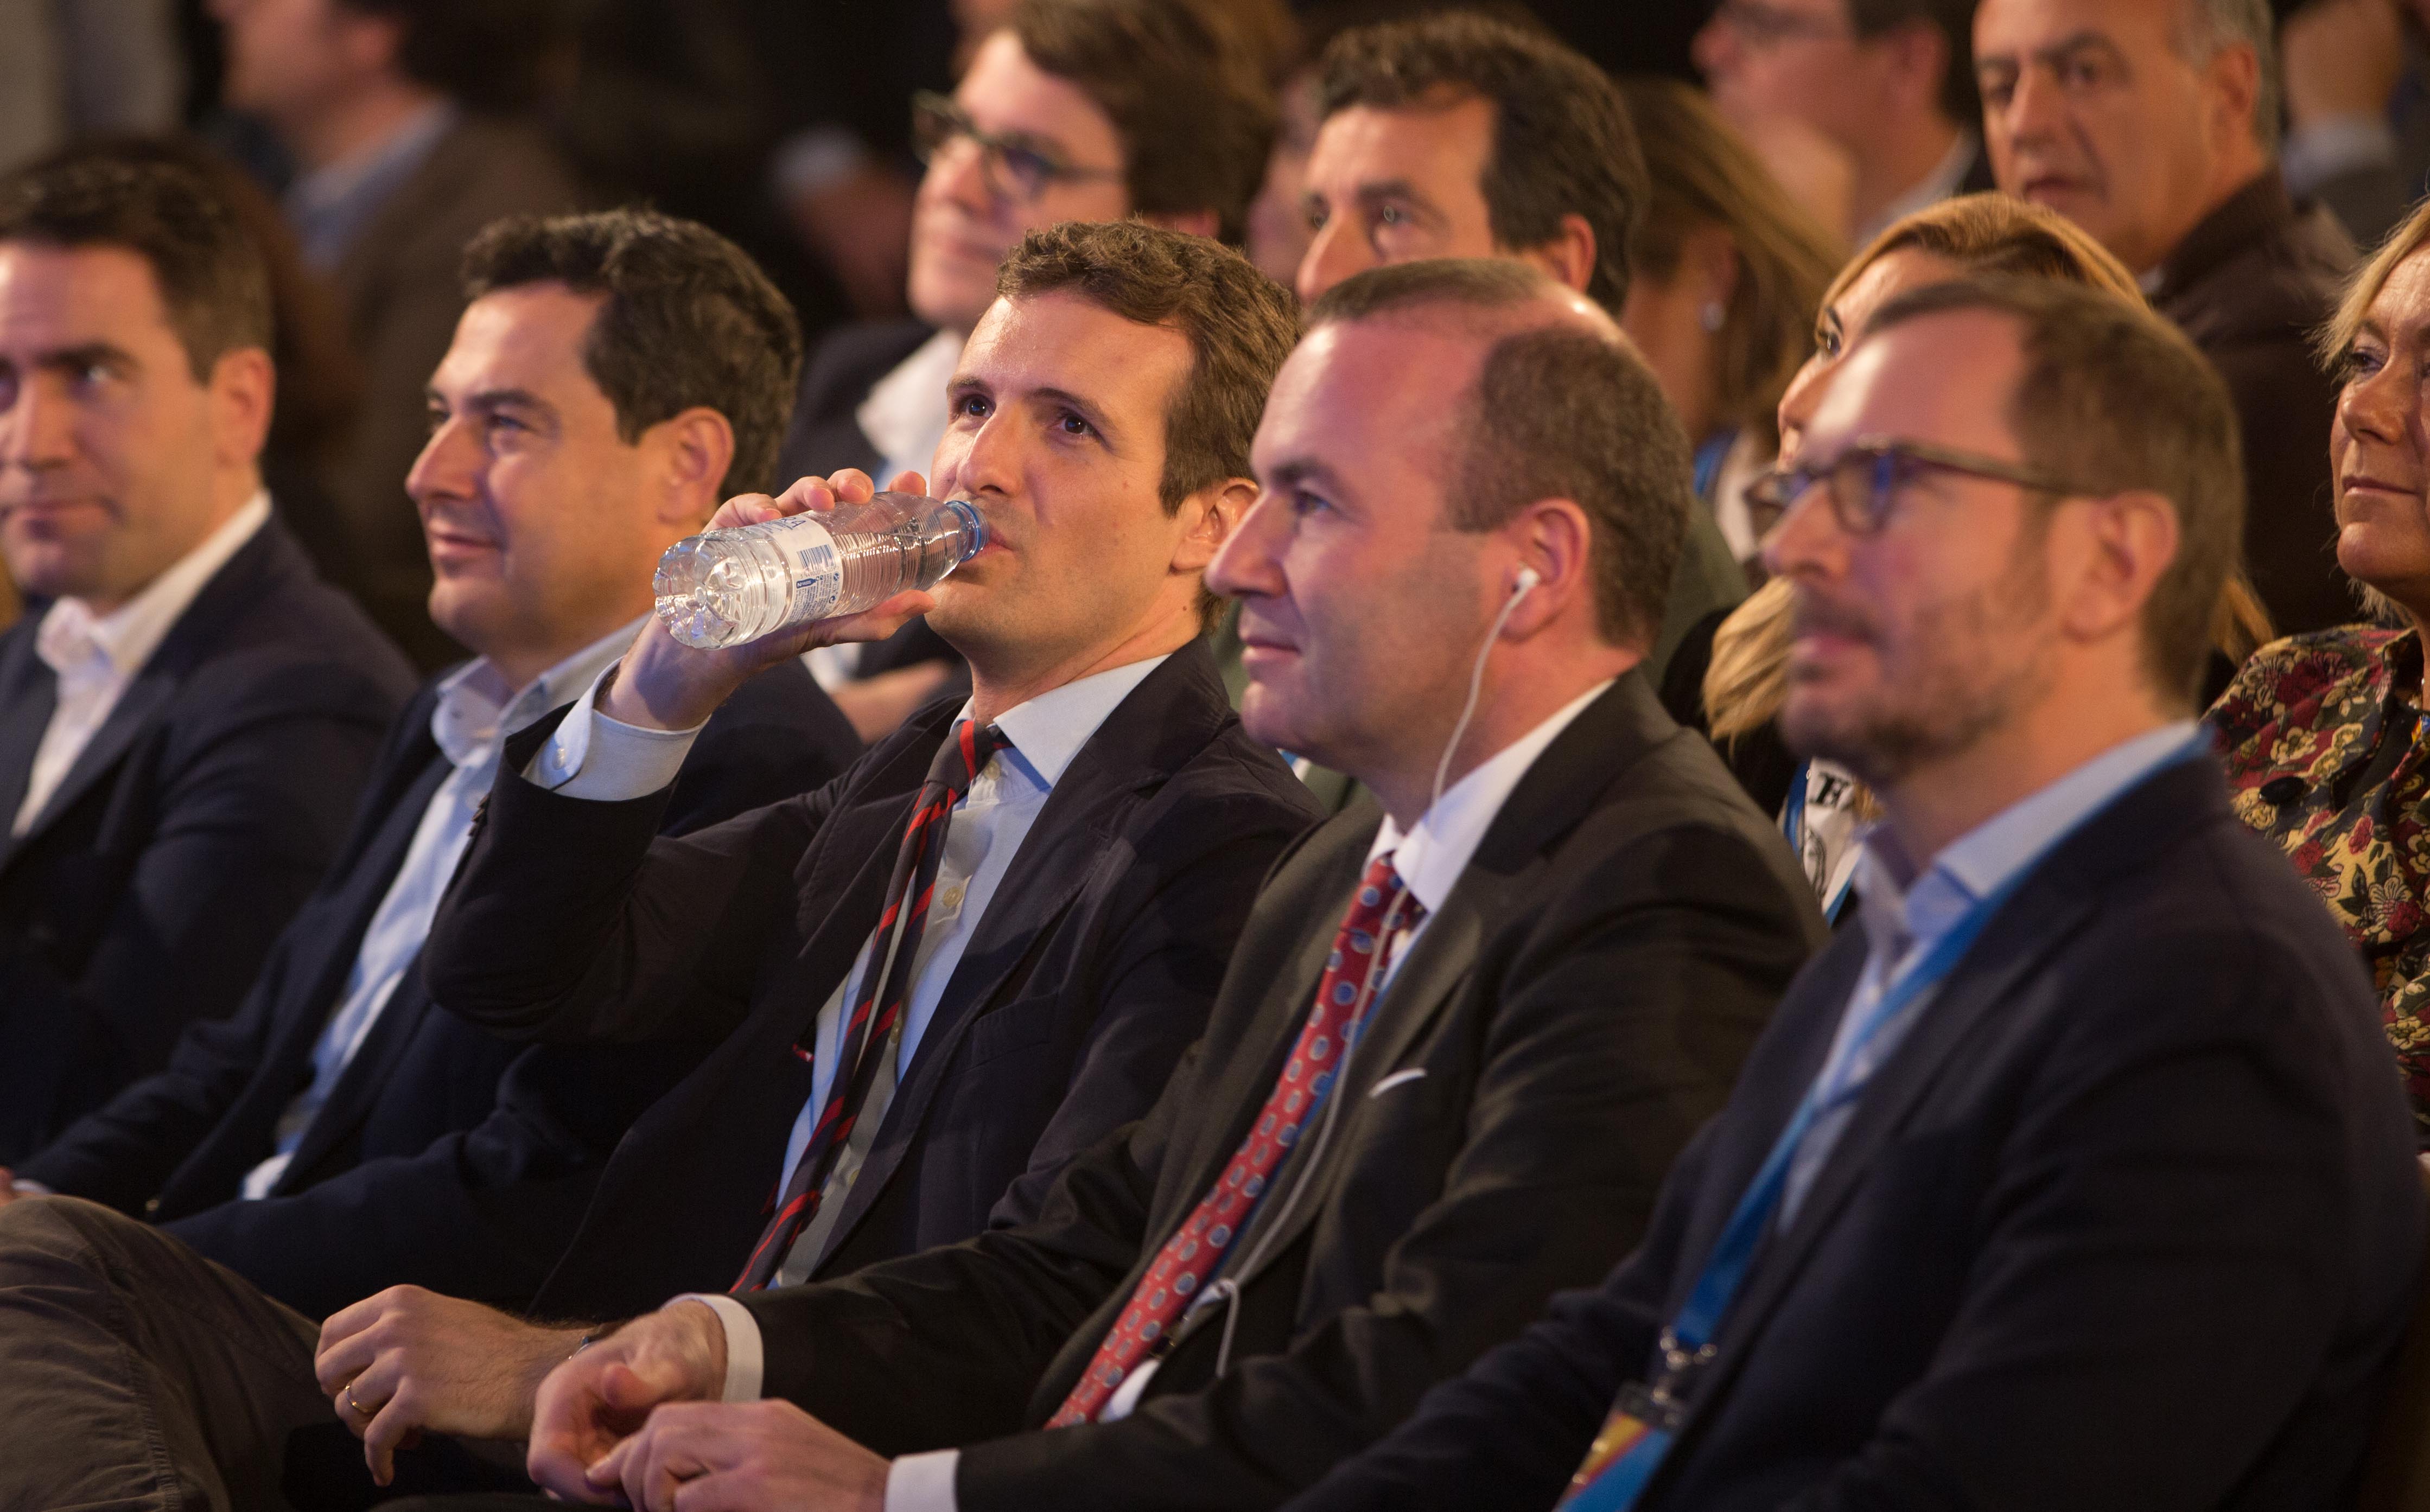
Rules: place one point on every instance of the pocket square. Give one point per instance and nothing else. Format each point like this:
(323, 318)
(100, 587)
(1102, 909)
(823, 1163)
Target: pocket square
(1395, 1080)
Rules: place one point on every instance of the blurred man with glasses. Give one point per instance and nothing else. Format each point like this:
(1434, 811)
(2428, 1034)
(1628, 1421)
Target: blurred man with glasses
(1074, 110)
(1864, 108)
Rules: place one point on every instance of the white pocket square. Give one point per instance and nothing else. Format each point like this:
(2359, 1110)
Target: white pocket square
(1395, 1080)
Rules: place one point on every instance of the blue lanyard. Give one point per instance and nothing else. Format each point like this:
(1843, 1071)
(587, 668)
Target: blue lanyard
(1792, 824)
(1686, 1345)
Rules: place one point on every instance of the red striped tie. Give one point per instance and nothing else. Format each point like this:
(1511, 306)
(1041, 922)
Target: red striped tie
(885, 986)
(1361, 952)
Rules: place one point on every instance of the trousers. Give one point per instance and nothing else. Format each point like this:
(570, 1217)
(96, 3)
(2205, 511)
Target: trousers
(135, 1374)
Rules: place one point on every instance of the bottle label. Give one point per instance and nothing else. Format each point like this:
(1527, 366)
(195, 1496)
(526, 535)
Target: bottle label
(810, 552)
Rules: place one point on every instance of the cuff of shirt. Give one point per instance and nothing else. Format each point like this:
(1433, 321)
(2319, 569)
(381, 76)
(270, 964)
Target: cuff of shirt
(607, 761)
(922, 1482)
(2320, 150)
(743, 1360)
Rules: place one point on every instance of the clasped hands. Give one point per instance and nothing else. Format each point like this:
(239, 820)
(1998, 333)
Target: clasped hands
(633, 1419)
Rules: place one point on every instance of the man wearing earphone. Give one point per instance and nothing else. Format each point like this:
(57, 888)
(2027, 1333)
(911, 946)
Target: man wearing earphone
(1459, 1041)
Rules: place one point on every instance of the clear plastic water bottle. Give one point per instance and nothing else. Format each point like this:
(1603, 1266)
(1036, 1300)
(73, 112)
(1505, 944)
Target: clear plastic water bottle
(726, 587)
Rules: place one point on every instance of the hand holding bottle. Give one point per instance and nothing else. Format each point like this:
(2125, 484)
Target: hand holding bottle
(663, 684)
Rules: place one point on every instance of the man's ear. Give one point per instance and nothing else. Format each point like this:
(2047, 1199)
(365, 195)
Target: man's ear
(1552, 539)
(2234, 75)
(1208, 517)
(243, 396)
(1568, 257)
(2131, 539)
(1191, 223)
(693, 452)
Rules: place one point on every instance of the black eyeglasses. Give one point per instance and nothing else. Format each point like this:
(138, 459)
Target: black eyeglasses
(1014, 166)
(1864, 480)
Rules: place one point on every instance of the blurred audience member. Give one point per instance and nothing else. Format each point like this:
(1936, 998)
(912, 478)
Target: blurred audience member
(1458, 135)
(2358, 110)
(1820, 806)
(1727, 274)
(398, 114)
(319, 384)
(2154, 125)
(342, 1133)
(72, 69)
(2075, 1177)
(187, 720)
(1865, 110)
(2325, 735)
(1074, 110)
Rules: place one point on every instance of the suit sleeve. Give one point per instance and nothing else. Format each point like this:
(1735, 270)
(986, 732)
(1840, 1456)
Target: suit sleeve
(1515, 1427)
(570, 921)
(1623, 1015)
(252, 808)
(2158, 1240)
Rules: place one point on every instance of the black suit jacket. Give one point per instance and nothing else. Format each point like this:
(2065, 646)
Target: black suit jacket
(188, 831)
(2251, 284)
(824, 438)
(443, 1157)
(1090, 973)
(1580, 1002)
(2128, 1221)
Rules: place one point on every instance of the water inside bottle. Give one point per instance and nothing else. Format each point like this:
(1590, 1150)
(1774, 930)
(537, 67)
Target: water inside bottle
(730, 585)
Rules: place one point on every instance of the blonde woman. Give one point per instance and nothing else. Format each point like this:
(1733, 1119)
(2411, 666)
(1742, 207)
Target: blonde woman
(1819, 806)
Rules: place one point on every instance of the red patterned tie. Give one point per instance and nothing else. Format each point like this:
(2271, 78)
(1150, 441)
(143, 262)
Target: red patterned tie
(1362, 951)
(885, 986)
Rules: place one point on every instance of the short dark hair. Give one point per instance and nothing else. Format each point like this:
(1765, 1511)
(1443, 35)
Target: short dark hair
(209, 273)
(1187, 91)
(1240, 325)
(2114, 397)
(1562, 140)
(1961, 102)
(689, 320)
(490, 55)
(1555, 412)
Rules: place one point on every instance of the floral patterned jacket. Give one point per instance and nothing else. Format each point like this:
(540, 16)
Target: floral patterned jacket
(2303, 731)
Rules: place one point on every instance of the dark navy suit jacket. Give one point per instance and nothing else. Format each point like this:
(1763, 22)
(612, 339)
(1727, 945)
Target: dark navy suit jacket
(1092, 970)
(2128, 1221)
(193, 824)
(443, 1157)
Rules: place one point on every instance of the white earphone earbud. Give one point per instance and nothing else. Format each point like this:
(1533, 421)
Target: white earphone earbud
(1525, 582)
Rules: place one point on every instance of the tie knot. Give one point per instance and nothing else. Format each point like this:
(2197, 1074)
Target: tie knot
(965, 755)
(1377, 889)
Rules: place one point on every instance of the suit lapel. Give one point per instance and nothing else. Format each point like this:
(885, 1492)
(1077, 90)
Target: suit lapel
(1564, 783)
(2056, 902)
(237, 583)
(28, 693)
(1163, 722)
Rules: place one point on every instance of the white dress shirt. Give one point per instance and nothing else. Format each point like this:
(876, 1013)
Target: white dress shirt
(1904, 916)
(474, 714)
(904, 417)
(1429, 858)
(96, 657)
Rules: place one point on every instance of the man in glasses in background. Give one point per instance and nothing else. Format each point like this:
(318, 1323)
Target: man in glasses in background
(2079, 1176)
(1074, 110)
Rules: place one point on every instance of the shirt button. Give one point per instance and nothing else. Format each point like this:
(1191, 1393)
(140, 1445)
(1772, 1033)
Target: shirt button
(951, 898)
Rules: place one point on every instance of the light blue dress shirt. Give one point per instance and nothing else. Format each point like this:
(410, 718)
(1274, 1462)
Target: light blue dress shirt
(1903, 922)
(474, 714)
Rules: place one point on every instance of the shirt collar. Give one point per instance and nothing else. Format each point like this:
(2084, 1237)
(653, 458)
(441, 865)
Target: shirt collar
(1047, 731)
(1988, 858)
(72, 640)
(904, 416)
(477, 710)
(1436, 850)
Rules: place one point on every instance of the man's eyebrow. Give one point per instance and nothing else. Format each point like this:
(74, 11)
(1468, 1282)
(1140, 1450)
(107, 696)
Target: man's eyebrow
(85, 354)
(1292, 471)
(497, 399)
(1089, 409)
(2065, 47)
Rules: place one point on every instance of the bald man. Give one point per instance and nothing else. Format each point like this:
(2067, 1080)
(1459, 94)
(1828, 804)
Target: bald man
(1460, 1040)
